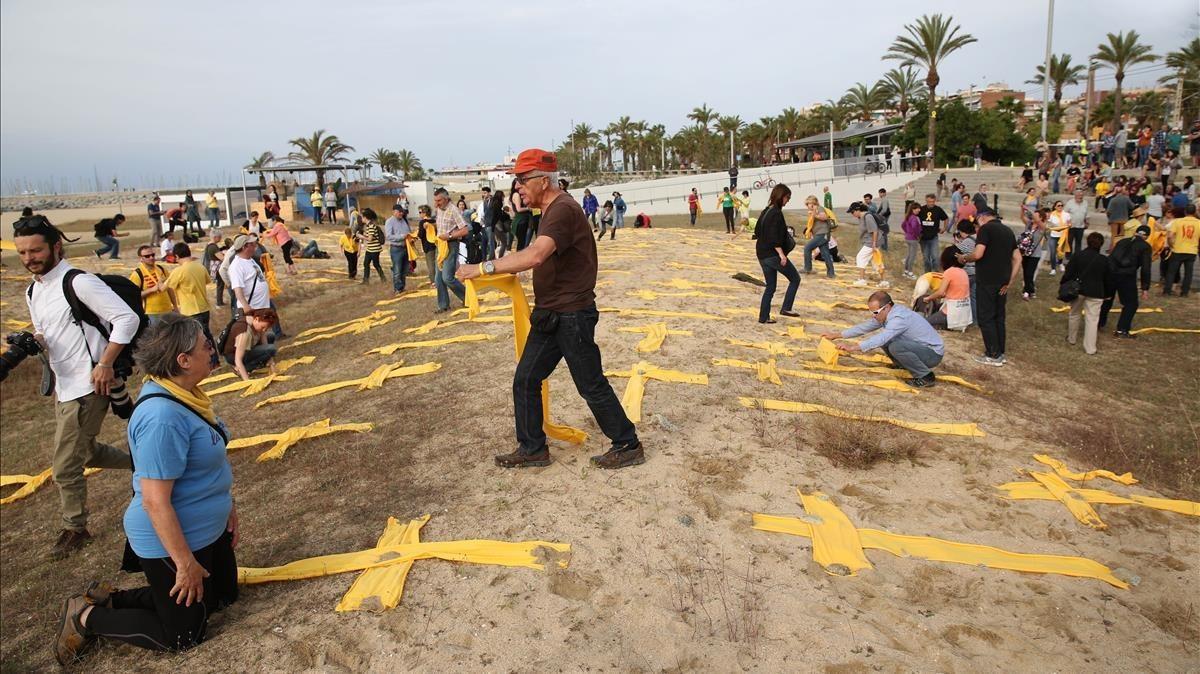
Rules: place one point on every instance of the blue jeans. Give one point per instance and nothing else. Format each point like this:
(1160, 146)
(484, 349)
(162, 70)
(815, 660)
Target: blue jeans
(445, 280)
(277, 328)
(913, 356)
(111, 244)
(214, 217)
(399, 266)
(818, 242)
(618, 221)
(929, 250)
(489, 243)
(574, 339)
(256, 357)
(771, 270)
(883, 238)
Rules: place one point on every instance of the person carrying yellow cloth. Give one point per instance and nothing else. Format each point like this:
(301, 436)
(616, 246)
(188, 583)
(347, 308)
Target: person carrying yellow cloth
(430, 243)
(904, 335)
(821, 222)
(349, 246)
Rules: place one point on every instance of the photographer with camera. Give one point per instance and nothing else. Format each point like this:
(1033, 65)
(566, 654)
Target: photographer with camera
(83, 354)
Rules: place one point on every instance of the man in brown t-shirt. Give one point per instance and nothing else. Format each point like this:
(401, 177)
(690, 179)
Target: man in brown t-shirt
(563, 260)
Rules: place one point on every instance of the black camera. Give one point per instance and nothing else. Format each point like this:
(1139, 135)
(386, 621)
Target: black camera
(21, 346)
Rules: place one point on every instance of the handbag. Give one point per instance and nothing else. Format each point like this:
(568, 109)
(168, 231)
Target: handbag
(1068, 290)
(958, 314)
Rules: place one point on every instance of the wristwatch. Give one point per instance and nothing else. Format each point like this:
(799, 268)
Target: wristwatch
(488, 267)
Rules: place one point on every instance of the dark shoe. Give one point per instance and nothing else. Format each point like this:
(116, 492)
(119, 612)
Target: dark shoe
(518, 460)
(788, 312)
(922, 382)
(99, 593)
(620, 457)
(73, 640)
(69, 541)
(769, 321)
(1124, 335)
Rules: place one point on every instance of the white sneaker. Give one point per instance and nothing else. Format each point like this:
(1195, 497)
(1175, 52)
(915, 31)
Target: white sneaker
(861, 283)
(1053, 272)
(884, 284)
(988, 360)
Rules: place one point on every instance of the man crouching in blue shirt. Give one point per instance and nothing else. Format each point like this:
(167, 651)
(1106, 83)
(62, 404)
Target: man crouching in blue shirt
(906, 337)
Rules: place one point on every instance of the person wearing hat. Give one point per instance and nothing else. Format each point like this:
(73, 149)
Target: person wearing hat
(564, 264)
(868, 234)
(997, 264)
(246, 277)
(1129, 257)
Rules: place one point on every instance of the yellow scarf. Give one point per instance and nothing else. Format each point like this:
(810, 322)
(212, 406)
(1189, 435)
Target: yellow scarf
(196, 399)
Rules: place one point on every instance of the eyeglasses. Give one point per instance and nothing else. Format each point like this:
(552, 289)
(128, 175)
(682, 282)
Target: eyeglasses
(875, 312)
(526, 179)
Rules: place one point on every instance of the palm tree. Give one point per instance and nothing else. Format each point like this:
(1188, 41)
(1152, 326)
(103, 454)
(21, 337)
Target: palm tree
(319, 149)
(408, 165)
(1186, 65)
(608, 132)
(729, 124)
(702, 116)
(789, 121)
(583, 137)
(262, 161)
(1120, 53)
(1062, 74)
(901, 85)
(385, 159)
(862, 101)
(623, 131)
(364, 164)
(929, 41)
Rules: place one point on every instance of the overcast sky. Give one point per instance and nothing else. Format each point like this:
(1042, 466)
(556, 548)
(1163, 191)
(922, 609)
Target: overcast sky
(147, 89)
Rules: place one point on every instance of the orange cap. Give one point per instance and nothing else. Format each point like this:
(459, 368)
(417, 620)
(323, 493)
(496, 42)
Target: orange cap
(534, 159)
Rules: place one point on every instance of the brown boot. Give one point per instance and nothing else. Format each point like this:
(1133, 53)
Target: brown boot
(73, 639)
(519, 460)
(99, 593)
(69, 541)
(620, 457)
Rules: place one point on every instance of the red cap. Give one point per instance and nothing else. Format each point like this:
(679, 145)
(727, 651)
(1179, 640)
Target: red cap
(534, 159)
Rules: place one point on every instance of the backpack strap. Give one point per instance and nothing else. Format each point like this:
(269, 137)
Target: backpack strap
(81, 313)
(141, 277)
(150, 396)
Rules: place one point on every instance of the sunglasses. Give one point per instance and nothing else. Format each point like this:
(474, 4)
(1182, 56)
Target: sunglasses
(148, 256)
(875, 312)
(526, 179)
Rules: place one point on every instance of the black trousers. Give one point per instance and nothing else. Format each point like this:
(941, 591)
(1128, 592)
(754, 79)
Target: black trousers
(369, 259)
(990, 309)
(1127, 292)
(573, 339)
(1177, 260)
(148, 617)
(1076, 234)
(1029, 267)
(351, 263)
(729, 227)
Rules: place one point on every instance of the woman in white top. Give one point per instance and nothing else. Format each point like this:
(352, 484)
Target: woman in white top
(1060, 221)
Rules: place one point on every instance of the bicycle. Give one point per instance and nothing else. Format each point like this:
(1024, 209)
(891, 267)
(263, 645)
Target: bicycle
(873, 167)
(761, 183)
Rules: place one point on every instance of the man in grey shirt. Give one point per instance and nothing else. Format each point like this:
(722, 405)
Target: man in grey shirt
(884, 210)
(1120, 207)
(904, 335)
(395, 231)
(1077, 208)
(1120, 142)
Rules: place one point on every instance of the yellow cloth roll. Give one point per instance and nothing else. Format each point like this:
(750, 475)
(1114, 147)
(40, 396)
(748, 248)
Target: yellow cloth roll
(965, 429)
(841, 552)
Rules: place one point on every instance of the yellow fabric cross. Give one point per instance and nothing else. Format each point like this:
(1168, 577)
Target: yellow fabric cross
(31, 483)
(1062, 471)
(663, 314)
(280, 367)
(511, 286)
(249, 387)
(965, 429)
(1069, 497)
(1020, 491)
(636, 388)
(773, 348)
(764, 371)
(283, 441)
(392, 348)
(386, 565)
(655, 334)
(355, 328)
(371, 381)
(432, 292)
(374, 315)
(768, 372)
(839, 547)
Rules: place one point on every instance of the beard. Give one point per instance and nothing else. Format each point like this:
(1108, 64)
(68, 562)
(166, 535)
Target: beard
(40, 267)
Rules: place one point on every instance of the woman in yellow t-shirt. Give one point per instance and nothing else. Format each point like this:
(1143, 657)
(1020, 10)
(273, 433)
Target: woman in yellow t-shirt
(212, 209)
(349, 246)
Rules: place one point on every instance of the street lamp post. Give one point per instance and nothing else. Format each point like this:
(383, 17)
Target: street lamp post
(1046, 71)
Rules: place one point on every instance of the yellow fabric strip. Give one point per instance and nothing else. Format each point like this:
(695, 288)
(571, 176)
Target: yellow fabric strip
(1141, 331)
(1144, 310)
(885, 384)
(511, 286)
(374, 315)
(392, 348)
(218, 378)
(426, 328)
(412, 295)
(953, 552)
(285, 365)
(773, 348)
(250, 387)
(724, 266)
(964, 429)
(482, 310)
(683, 284)
(798, 332)
(663, 314)
(1070, 498)
(371, 381)
(835, 540)
(895, 372)
(13, 324)
(651, 295)
(830, 306)
(765, 371)
(284, 441)
(740, 311)
(31, 483)
(380, 589)
(1019, 491)
(1062, 471)
(827, 352)
(500, 553)
(655, 333)
(631, 401)
(356, 328)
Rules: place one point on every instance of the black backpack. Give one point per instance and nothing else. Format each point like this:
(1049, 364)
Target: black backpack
(1123, 258)
(475, 245)
(129, 292)
(223, 337)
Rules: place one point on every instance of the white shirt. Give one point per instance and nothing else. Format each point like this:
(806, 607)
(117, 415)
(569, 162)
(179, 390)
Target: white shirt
(166, 248)
(247, 275)
(73, 352)
(1056, 221)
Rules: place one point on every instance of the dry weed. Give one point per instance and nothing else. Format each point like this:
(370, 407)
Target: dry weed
(1155, 454)
(714, 601)
(1175, 618)
(856, 444)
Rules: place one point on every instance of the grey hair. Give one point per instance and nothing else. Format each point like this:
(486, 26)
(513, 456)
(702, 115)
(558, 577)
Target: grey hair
(442, 191)
(159, 347)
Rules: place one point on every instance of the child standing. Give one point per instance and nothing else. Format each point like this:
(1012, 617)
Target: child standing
(349, 246)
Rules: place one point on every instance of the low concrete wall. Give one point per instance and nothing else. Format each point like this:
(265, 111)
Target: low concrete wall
(669, 195)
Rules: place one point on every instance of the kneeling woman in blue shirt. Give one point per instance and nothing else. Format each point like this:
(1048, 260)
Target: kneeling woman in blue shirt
(181, 524)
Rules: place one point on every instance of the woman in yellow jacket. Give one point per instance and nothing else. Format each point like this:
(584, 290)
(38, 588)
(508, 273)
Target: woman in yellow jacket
(318, 204)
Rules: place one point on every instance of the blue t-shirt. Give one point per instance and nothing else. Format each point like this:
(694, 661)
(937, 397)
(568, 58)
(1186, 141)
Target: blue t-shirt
(170, 442)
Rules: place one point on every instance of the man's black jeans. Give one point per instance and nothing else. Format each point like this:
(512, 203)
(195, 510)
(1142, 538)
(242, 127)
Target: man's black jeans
(991, 314)
(1127, 292)
(574, 340)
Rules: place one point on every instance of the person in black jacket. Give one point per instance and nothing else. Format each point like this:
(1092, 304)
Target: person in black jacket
(1096, 282)
(1129, 256)
(772, 248)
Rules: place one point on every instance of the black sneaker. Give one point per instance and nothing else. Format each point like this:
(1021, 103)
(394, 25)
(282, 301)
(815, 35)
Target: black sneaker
(922, 382)
(518, 460)
(1124, 335)
(620, 457)
(788, 312)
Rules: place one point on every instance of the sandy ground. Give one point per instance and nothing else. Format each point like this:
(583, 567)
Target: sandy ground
(666, 573)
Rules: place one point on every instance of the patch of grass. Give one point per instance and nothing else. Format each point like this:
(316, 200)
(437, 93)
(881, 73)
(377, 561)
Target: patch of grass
(714, 601)
(857, 444)
(1176, 618)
